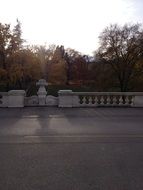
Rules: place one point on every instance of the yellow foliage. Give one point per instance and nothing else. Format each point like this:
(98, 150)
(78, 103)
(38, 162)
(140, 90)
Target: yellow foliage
(15, 73)
(57, 73)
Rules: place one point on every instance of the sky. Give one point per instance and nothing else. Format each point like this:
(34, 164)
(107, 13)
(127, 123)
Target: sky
(73, 23)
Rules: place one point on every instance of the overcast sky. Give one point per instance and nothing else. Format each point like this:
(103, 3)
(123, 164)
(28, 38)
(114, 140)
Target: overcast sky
(72, 23)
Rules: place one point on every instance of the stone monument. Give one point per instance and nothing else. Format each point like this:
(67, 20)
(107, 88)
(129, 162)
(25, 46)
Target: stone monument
(42, 91)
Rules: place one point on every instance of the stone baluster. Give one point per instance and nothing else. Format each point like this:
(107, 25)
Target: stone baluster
(120, 100)
(108, 100)
(96, 100)
(114, 100)
(127, 100)
(90, 100)
(132, 100)
(84, 100)
(80, 99)
(102, 100)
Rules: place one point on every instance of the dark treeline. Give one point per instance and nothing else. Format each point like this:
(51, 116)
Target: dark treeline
(116, 65)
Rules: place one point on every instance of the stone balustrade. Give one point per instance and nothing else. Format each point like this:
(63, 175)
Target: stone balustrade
(67, 98)
(16, 98)
(3, 99)
(13, 98)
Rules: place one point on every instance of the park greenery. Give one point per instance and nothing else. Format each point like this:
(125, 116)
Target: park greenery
(117, 65)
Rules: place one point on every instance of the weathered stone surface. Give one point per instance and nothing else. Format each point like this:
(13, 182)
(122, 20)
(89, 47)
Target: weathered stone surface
(31, 101)
(138, 101)
(65, 98)
(51, 101)
(16, 98)
(42, 91)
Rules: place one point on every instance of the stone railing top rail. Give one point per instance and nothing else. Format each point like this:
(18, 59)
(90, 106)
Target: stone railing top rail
(4, 93)
(70, 92)
(65, 92)
(17, 92)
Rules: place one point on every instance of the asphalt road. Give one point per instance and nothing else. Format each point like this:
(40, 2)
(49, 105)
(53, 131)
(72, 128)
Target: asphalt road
(71, 149)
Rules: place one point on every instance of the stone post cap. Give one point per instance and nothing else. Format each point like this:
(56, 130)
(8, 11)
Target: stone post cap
(42, 82)
(17, 92)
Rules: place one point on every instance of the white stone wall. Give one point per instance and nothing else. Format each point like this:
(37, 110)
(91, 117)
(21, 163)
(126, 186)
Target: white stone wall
(65, 98)
(68, 98)
(138, 101)
(16, 98)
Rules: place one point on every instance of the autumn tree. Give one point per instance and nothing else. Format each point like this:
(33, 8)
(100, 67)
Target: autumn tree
(26, 69)
(76, 66)
(60, 65)
(5, 37)
(57, 66)
(70, 55)
(137, 80)
(16, 40)
(102, 76)
(121, 48)
(45, 55)
(10, 44)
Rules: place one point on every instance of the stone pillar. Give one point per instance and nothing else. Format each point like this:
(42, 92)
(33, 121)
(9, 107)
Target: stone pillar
(75, 101)
(65, 98)
(16, 98)
(138, 101)
(42, 91)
